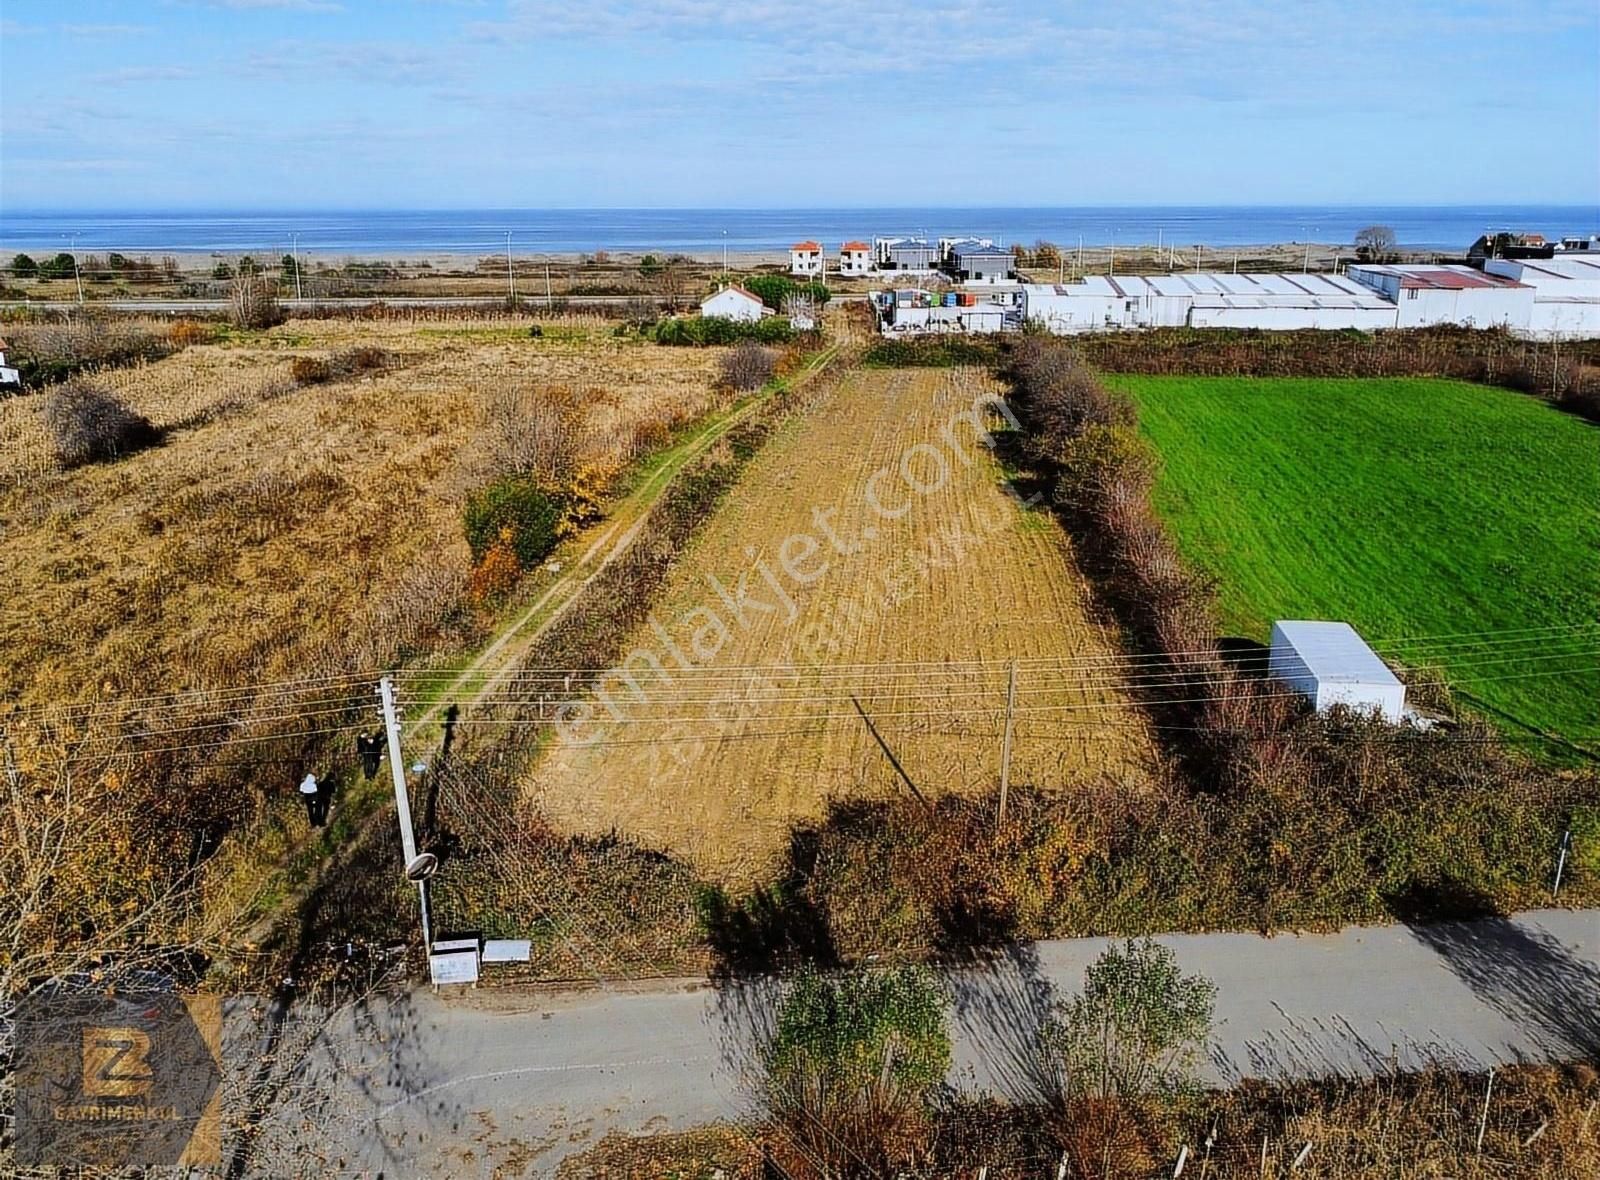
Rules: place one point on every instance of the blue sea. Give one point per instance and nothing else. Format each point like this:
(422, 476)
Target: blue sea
(706, 231)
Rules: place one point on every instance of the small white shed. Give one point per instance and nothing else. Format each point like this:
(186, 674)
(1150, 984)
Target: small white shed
(1332, 664)
(732, 303)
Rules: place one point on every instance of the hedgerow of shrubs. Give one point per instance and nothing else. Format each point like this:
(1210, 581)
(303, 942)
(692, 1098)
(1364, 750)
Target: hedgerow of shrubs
(700, 331)
(931, 352)
(1338, 820)
(88, 425)
(58, 349)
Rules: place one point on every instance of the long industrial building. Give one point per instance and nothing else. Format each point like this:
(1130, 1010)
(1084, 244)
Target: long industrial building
(1427, 295)
(1566, 292)
(1547, 298)
(1205, 299)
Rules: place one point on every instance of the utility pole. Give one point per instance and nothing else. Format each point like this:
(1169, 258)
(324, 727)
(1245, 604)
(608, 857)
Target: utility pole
(1561, 861)
(295, 242)
(1005, 742)
(419, 867)
(511, 278)
(76, 273)
(724, 255)
(549, 300)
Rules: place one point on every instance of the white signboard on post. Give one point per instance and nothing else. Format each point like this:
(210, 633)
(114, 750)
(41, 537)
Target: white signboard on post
(454, 961)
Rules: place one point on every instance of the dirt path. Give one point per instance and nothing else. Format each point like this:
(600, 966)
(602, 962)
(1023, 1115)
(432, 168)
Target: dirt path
(486, 673)
(883, 670)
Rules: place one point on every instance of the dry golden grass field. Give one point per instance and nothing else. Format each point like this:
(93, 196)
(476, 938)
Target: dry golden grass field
(283, 531)
(755, 712)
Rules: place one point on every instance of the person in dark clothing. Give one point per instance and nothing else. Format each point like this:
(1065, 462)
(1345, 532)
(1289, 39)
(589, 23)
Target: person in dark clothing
(318, 797)
(369, 746)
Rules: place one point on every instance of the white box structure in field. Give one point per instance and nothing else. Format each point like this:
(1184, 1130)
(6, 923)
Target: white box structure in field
(1332, 665)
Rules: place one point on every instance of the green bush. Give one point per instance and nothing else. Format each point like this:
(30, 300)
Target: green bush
(774, 289)
(527, 515)
(62, 266)
(701, 331)
(24, 267)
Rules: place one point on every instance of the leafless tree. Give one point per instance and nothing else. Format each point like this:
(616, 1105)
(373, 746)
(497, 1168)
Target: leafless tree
(253, 300)
(1375, 243)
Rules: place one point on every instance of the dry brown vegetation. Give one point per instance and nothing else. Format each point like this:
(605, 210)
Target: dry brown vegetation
(1542, 1124)
(717, 769)
(279, 533)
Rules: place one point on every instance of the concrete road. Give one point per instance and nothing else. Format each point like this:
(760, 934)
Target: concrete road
(454, 1084)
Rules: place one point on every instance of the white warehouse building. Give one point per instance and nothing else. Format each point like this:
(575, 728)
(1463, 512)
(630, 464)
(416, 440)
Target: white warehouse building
(1427, 295)
(1205, 299)
(1566, 292)
(1332, 665)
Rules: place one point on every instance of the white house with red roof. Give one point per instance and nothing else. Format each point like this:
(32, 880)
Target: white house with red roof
(733, 303)
(805, 258)
(855, 259)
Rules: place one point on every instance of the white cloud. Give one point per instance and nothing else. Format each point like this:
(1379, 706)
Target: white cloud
(128, 75)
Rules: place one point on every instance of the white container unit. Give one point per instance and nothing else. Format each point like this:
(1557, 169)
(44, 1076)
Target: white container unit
(1332, 665)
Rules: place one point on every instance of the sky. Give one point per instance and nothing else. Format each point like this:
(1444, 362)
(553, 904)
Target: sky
(379, 104)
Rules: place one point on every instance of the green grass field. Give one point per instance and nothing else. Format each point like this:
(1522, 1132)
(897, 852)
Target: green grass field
(1408, 507)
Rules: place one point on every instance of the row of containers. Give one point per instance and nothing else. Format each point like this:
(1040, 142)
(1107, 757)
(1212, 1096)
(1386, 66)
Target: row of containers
(918, 298)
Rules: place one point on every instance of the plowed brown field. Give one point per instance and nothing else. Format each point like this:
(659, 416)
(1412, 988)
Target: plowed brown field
(845, 629)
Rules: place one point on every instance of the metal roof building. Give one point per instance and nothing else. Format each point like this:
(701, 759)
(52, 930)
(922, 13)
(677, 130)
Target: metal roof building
(1208, 299)
(1462, 295)
(979, 262)
(1332, 665)
(907, 254)
(1566, 292)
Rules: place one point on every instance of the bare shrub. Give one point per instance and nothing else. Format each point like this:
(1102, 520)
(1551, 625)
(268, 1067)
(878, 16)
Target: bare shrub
(253, 301)
(187, 332)
(746, 366)
(543, 433)
(363, 358)
(309, 370)
(88, 425)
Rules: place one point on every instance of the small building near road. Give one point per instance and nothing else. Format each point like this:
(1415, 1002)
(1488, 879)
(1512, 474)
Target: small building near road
(855, 259)
(1463, 295)
(733, 303)
(1566, 293)
(979, 262)
(8, 376)
(805, 258)
(1332, 665)
(913, 311)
